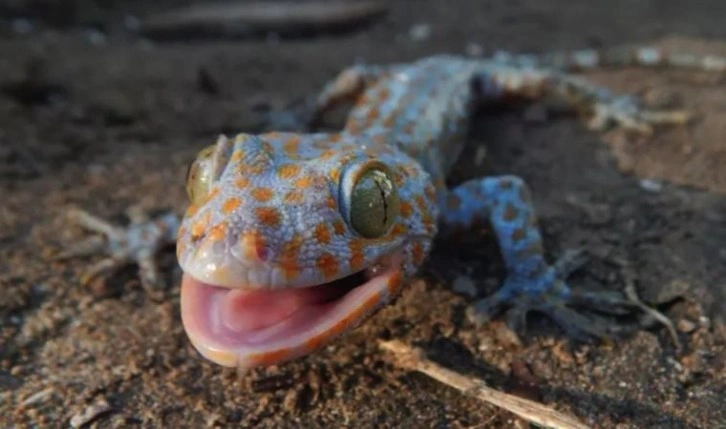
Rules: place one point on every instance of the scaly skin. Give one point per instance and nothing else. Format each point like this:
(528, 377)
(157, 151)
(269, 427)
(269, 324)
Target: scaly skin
(271, 218)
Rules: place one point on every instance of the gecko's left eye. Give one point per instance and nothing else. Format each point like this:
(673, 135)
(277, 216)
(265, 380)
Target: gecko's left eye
(374, 203)
(199, 175)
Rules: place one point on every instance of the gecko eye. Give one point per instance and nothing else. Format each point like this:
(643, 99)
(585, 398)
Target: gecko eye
(199, 175)
(374, 202)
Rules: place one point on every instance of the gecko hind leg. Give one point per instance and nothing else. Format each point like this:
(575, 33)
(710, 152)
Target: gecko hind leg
(601, 107)
(531, 284)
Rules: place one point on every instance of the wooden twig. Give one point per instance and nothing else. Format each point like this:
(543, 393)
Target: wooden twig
(235, 19)
(414, 359)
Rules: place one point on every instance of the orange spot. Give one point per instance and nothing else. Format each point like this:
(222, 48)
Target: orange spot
(288, 171)
(291, 248)
(330, 202)
(291, 145)
(322, 233)
(373, 114)
(327, 264)
(200, 225)
(268, 216)
(406, 209)
(293, 197)
(356, 255)
(242, 182)
(383, 94)
(408, 128)
(329, 153)
(335, 174)
(290, 268)
(389, 121)
(430, 191)
(429, 222)
(339, 227)
(237, 156)
(506, 184)
(289, 260)
(191, 210)
(510, 212)
(303, 182)
(398, 229)
(218, 232)
(418, 253)
(262, 194)
(231, 205)
(420, 202)
(353, 127)
(379, 139)
(363, 100)
(453, 202)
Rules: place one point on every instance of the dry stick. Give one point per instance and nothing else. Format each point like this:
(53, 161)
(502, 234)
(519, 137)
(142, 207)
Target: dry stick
(413, 358)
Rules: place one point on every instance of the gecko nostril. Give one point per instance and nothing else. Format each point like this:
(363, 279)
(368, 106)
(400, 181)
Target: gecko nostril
(250, 247)
(264, 253)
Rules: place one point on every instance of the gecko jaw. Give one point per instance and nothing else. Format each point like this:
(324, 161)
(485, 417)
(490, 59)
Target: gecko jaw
(244, 328)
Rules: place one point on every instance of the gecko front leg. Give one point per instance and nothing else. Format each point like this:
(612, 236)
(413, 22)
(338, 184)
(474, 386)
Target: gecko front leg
(137, 243)
(531, 284)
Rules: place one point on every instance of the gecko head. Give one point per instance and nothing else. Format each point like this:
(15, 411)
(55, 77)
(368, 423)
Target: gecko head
(291, 240)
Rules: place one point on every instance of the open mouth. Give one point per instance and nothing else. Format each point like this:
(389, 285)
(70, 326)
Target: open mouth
(242, 328)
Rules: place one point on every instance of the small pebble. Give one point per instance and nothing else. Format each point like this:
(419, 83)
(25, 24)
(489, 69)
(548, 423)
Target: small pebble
(536, 114)
(90, 413)
(22, 26)
(480, 154)
(464, 285)
(132, 23)
(474, 50)
(38, 397)
(651, 185)
(686, 326)
(95, 37)
(420, 32)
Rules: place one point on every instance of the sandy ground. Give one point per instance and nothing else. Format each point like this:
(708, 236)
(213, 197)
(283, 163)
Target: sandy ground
(95, 117)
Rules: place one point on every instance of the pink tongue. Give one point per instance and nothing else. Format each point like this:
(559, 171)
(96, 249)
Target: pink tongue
(246, 310)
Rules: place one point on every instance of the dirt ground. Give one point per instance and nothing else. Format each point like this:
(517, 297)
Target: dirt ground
(94, 116)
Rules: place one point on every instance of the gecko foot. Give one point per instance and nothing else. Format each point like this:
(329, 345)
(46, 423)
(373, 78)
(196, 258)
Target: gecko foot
(550, 295)
(137, 243)
(624, 112)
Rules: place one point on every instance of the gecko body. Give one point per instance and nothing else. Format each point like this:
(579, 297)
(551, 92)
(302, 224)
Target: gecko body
(292, 239)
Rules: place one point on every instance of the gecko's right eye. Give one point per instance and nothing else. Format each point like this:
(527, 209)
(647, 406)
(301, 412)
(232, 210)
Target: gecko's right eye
(199, 175)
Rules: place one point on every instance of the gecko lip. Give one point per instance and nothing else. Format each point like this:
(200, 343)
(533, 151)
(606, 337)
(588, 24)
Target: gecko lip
(250, 327)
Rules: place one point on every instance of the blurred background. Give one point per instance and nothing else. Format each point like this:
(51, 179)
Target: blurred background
(104, 103)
